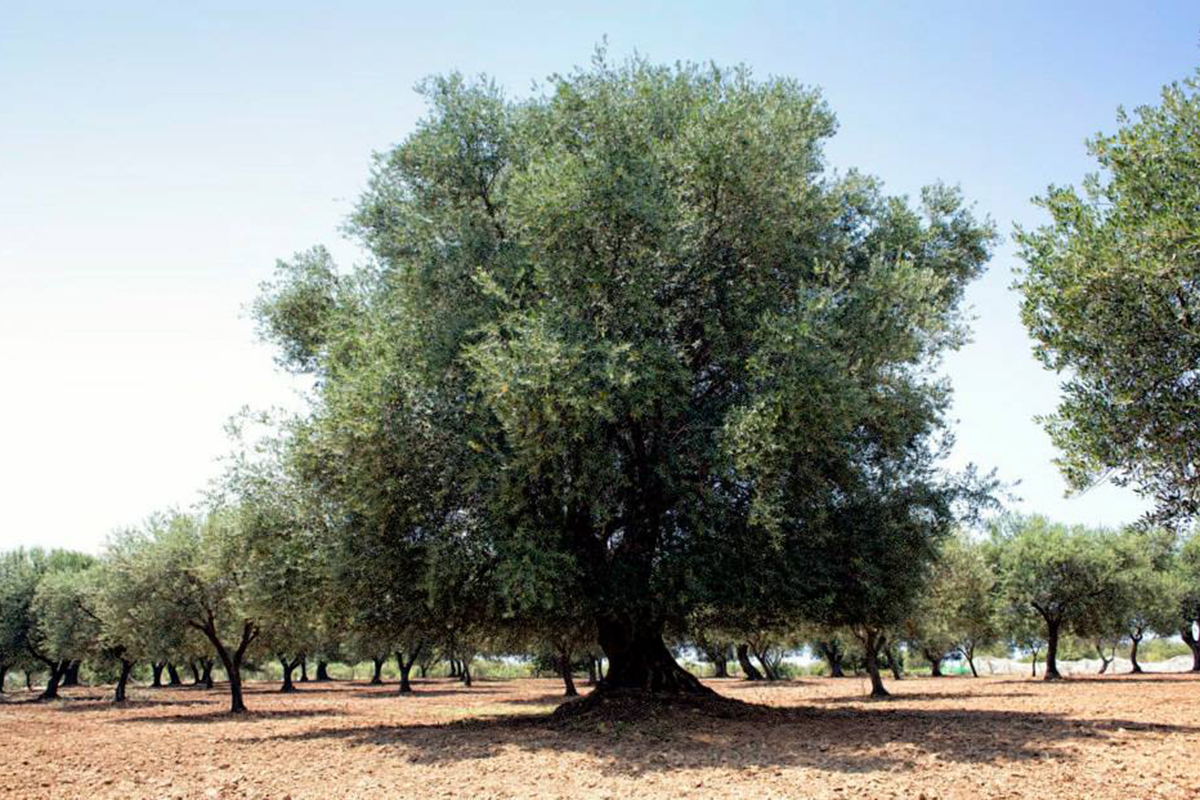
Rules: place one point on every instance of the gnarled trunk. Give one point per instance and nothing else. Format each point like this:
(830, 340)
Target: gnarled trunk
(71, 675)
(405, 666)
(638, 659)
(206, 673)
(323, 671)
(1052, 629)
(123, 681)
(564, 669)
(194, 668)
(1136, 669)
(831, 651)
(3, 675)
(173, 675)
(304, 669)
(156, 672)
(288, 668)
(935, 663)
(377, 671)
(872, 643)
(57, 670)
(750, 672)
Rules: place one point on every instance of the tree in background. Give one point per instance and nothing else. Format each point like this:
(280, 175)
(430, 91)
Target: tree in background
(621, 316)
(66, 628)
(1187, 593)
(1061, 573)
(1147, 598)
(1112, 297)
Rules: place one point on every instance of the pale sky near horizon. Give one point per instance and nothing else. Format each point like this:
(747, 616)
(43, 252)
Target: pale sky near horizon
(156, 158)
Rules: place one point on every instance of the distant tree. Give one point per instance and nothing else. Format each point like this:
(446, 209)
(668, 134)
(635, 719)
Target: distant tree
(1147, 598)
(1186, 580)
(66, 627)
(1112, 298)
(1061, 573)
(638, 314)
(201, 569)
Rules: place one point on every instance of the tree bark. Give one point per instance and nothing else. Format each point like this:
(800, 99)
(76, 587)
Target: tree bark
(1190, 639)
(935, 663)
(638, 659)
(304, 669)
(1052, 629)
(173, 675)
(831, 651)
(1035, 658)
(57, 670)
(3, 675)
(377, 672)
(323, 671)
(123, 681)
(564, 669)
(194, 668)
(405, 666)
(1136, 669)
(1104, 662)
(71, 676)
(454, 668)
(206, 673)
(872, 643)
(231, 661)
(156, 671)
(466, 672)
(288, 668)
(750, 672)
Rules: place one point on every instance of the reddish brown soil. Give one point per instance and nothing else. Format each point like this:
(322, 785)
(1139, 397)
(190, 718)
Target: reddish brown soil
(1113, 737)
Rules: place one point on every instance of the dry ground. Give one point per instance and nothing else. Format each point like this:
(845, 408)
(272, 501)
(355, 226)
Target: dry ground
(1113, 737)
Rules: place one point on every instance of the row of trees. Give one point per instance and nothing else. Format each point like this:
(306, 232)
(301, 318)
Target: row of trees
(194, 590)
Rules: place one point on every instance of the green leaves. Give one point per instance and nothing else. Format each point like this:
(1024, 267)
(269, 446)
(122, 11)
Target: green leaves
(1110, 297)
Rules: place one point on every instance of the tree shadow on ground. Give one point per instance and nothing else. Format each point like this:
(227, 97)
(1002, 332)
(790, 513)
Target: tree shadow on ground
(849, 740)
(225, 716)
(865, 697)
(392, 691)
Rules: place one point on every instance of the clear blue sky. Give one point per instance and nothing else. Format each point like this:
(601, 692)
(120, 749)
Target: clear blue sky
(156, 158)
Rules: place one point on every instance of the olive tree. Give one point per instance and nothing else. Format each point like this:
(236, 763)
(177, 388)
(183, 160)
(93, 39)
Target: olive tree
(1111, 297)
(629, 317)
(1062, 573)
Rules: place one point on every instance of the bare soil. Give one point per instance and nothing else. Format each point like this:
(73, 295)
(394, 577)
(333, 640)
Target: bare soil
(1109, 737)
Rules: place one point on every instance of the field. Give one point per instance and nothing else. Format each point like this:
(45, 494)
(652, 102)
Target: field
(1119, 737)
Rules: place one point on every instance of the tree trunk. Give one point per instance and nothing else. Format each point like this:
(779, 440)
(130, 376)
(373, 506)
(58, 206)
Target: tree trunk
(194, 668)
(1035, 658)
(57, 670)
(935, 664)
(638, 659)
(377, 673)
(895, 664)
(406, 666)
(173, 675)
(71, 676)
(564, 669)
(156, 670)
(832, 653)
(872, 643)
(1052, 651)
(3, 675)
(750, 672)
(454, 669)
(304, 669)
(288, 668)
(1191, 641)
(28, 680)
(424, 669)
(1104, 662)
(323, 671)
(123, 681)
(969, 654)
(591, 681)
(1136, 669)
(206, 673)
(231, 661)
(767, 669)
(466, 672)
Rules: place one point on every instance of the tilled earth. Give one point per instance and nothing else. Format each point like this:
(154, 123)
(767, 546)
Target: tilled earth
(1111, 737)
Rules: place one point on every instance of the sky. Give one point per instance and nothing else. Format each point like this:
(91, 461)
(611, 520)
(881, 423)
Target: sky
(157, 158)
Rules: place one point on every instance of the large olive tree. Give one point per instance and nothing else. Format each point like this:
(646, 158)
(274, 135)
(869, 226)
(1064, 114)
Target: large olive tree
(628, 324)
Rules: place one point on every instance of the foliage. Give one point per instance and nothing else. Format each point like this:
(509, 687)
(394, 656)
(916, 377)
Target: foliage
(1112, 299)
